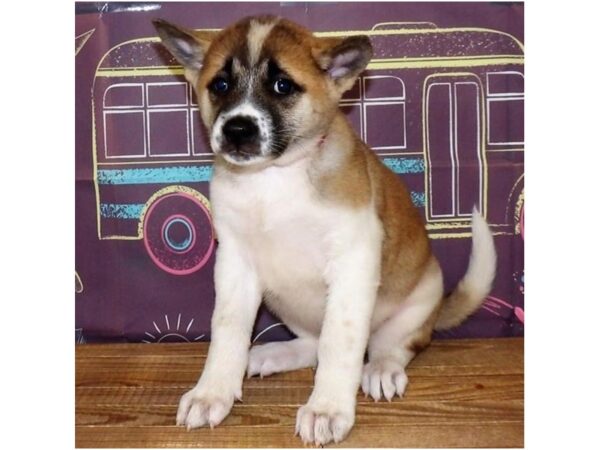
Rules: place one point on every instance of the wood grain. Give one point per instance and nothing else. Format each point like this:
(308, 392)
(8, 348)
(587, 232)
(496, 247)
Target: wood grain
(462, 393)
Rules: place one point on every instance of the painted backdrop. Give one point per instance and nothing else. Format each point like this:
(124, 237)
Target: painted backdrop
(441, 103)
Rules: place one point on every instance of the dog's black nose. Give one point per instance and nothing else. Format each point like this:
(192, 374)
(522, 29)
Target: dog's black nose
(240, 130)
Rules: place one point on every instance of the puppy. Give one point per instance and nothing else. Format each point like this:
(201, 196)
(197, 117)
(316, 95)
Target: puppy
(311, 221)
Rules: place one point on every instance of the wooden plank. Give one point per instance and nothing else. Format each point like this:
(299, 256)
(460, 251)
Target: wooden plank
(484, 435)
(438, 352)
(163, 367)
(400, 412)
(265, 392)
(462, 393)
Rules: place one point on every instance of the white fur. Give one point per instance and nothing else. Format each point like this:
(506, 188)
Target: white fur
(482, 262)
(237, 301)
(257, 34)
(275, 357)
(352, 275)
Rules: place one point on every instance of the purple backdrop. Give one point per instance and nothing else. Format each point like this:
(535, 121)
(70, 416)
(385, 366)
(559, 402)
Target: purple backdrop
(441, 103)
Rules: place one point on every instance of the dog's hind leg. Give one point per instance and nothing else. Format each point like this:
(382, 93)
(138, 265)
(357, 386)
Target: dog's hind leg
(284, 356)
(393, 345)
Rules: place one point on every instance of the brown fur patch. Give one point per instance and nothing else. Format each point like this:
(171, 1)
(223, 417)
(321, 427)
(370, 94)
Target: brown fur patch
(358, 179)
(230, 42)
(406, 250)
(291, 46)
(339, 171)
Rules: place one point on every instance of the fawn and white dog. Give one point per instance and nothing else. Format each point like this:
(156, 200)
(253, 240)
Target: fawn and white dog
(310, 220)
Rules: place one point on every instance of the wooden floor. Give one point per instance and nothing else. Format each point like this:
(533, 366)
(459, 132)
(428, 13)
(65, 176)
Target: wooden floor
(463, 393)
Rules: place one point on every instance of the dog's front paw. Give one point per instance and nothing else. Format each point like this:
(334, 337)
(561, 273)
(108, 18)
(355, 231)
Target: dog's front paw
(384, 375)
(198, 408)
(321, 423)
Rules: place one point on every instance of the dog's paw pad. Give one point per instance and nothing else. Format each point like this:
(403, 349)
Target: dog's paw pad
(384, 377)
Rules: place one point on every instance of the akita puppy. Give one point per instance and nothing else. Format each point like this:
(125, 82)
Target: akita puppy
(309, 220)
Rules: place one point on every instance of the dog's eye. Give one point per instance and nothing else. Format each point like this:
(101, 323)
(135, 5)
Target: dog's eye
(219, 85)
(283, 86)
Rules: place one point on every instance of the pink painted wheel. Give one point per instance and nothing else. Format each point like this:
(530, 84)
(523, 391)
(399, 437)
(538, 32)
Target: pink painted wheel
(178, 233)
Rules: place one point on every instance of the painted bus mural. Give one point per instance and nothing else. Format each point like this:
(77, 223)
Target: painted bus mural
(443, 107)
(436, 113)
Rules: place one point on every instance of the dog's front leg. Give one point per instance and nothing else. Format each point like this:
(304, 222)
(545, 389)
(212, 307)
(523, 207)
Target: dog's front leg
(238, 297)
(353, 278)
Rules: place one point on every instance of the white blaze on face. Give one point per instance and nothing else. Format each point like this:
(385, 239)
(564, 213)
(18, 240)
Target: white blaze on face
(257, 34)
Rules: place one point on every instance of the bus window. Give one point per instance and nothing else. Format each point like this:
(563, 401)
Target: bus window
(200, 138)
(384, 112)
(167, 119)
(168, 132)
(505, 108)
(124, 134)
(383, 87)
(124, 96)
(124, 121)
(167, 94)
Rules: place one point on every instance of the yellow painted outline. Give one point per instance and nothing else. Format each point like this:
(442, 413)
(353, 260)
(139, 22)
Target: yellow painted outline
(457, 225)
(429, 24)
(510, 197)
(518, 208)
(404, 63)
(95, 166)
(465, 235)
(376, 64)
(141, 71)
(462, 223)
(418, 63)
(482, 149)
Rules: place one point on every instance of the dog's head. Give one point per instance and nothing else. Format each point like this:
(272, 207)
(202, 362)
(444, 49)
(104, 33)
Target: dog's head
(265, 86)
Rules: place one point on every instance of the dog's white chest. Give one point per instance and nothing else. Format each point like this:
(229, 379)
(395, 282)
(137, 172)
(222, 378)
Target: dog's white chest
(286, 231)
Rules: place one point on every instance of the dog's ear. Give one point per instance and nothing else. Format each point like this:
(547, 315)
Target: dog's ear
(187, 46)
(343, 59)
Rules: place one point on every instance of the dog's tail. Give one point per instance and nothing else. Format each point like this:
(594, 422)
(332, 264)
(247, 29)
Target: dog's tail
(477, 282)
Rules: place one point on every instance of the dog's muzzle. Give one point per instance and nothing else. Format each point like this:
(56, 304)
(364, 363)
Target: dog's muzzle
(241, 137)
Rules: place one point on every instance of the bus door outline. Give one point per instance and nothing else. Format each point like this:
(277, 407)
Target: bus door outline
(452, 83)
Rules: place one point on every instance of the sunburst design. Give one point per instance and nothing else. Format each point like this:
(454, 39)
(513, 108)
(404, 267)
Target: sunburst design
(165, 333)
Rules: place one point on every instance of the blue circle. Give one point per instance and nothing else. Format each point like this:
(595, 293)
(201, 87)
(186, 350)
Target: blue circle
(178, 246)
